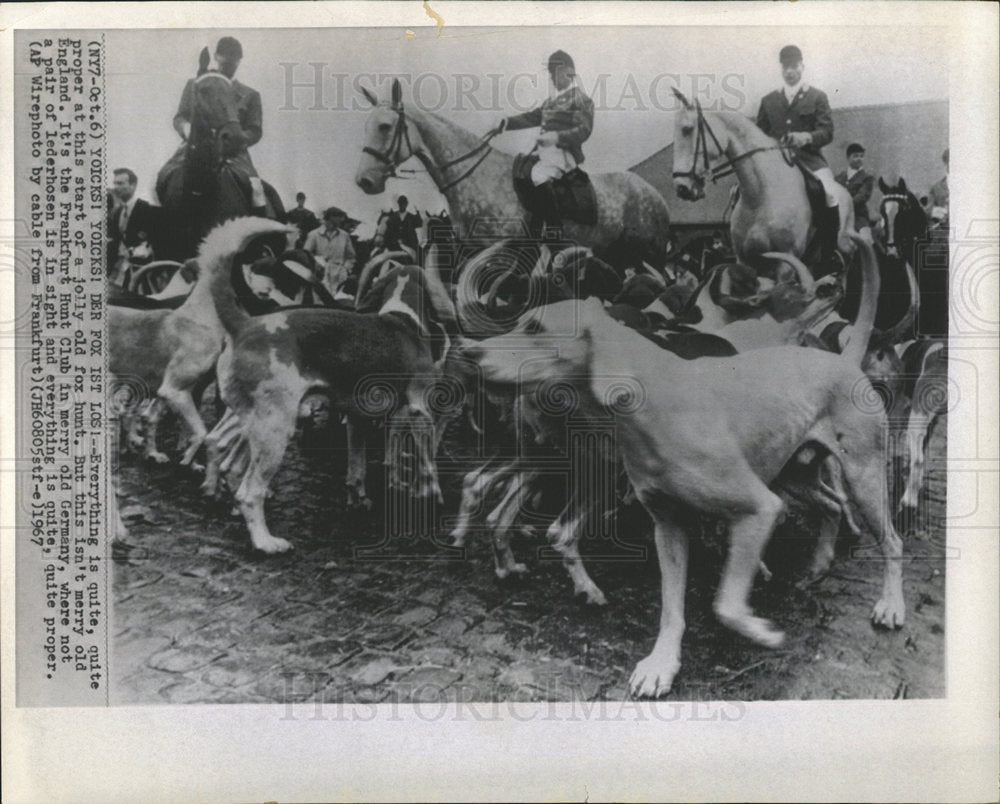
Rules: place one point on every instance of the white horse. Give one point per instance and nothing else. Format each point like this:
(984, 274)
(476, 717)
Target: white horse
(477, 182)
(772, 213)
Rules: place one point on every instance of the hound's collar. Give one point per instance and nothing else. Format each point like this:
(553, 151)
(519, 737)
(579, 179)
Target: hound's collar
(298, 269)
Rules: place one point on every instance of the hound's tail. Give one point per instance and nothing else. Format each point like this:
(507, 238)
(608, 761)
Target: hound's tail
(225, 251)
(871, 283)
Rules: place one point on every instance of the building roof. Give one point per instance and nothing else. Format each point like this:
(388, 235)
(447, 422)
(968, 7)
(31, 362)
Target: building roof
(902, 139)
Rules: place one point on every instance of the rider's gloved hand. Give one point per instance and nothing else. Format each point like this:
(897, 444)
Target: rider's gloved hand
(798, 139)
(499, 127)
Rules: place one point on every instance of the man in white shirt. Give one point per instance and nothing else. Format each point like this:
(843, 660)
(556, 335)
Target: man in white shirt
(131, 224)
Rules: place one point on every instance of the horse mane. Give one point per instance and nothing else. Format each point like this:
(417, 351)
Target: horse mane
(739, 122)
(441, 128)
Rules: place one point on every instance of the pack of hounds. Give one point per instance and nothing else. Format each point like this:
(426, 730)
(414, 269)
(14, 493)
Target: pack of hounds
(724, 406)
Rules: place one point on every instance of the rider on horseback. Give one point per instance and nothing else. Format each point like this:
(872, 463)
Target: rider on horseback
(566, 120)
(228, 55)
(799, 115)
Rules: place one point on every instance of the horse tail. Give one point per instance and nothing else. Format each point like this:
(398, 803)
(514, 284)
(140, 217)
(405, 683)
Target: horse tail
(871, 283)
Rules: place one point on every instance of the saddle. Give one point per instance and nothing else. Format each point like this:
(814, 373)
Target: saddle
(570, 197)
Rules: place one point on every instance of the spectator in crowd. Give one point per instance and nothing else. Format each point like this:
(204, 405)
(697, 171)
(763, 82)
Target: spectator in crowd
(859, 184)
(332, 249)
(686, 272)
(937, 197)
(304, 219)
(131, 227)
(401, 232)
(716, 252)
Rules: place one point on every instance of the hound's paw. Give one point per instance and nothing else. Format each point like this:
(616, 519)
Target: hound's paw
(889, 613)
(595, 597)
(513, 569)
(356, 500)
(653, 677)
(272, 545)
(157, 457)
(757, 629)
(457, 539)
(821, 562)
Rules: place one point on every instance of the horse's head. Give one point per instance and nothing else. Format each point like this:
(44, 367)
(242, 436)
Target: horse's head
(215, 123)
(390, 139)
(695, 146)
(903, 219)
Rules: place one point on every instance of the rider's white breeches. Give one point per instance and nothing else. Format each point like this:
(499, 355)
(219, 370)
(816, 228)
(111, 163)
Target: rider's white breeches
(825, 175)
(552, 163)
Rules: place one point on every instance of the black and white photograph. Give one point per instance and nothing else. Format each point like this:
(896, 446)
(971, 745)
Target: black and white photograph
(575, 368)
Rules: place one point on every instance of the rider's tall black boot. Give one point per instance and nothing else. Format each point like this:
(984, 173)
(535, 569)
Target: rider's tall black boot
(829, 235)
(548, 206)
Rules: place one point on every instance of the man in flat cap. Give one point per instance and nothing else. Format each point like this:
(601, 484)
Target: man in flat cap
(565, 120)
(799, 115)
(859, 184)
(228, 55)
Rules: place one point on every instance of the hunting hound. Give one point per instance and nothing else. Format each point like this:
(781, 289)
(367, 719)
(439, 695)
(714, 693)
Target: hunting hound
(710, 435)
(370, 364)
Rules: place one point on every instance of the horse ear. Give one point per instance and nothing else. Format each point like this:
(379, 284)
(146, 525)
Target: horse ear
(397, 94)
(902, 185)
(369, 96)
(680, 96)
(882, 186)
(203, 59)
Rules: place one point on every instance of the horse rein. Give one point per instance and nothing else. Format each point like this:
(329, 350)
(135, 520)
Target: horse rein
(728, 165)
(400, 134)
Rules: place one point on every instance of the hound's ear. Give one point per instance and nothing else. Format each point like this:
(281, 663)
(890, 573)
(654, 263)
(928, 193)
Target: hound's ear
(369, 96)
(680, 96)
(203, 59)
(397, 94)
(882, 186)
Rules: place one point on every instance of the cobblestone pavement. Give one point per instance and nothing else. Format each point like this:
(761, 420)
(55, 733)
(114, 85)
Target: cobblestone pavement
(351, 617)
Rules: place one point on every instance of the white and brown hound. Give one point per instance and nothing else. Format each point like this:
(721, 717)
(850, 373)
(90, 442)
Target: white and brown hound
(369, 364)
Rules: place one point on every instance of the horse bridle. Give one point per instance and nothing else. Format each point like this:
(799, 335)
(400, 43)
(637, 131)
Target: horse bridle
(392, 155)
(728, 165)
(904, 202)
